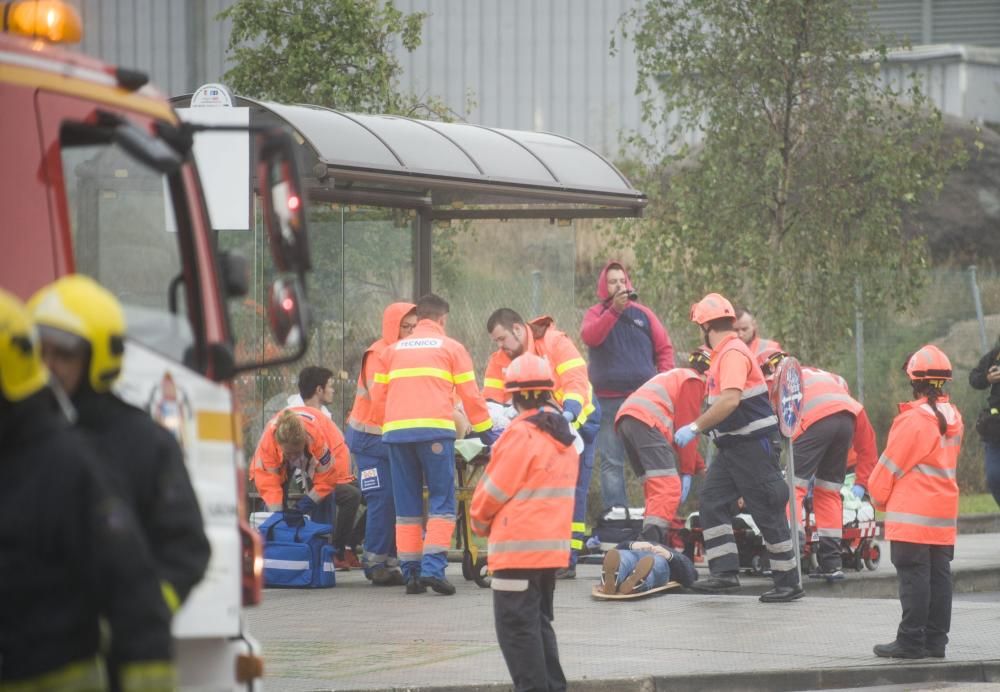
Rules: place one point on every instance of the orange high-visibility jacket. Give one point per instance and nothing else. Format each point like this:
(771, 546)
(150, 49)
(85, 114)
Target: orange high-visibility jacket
(864, 451)
(423, 372)
(823, 394)
(759, 346)
(327, 459)
(524, 501)
(572, 381)
(914, 481)
(363, 416)
(734, 365)
(668, 401)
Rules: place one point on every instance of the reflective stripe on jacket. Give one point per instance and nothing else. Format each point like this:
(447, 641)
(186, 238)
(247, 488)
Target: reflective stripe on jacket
(424, 371)
(914, 481)
(668, 401)
(364, 417)
(573, 390)
(524, 501)
(759, 346)
(753, 417)
(328, 461)
(823, 394)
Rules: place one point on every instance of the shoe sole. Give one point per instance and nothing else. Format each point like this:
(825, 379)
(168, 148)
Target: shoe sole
(714, 590)
(609, 573)
(443, 589)
(784, 599)
(900, 655)
(641, 571)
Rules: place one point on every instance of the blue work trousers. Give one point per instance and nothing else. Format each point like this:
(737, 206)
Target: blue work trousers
(413, 464)
(375, 478)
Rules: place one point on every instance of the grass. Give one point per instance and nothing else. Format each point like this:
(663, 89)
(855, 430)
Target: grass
(978, 503)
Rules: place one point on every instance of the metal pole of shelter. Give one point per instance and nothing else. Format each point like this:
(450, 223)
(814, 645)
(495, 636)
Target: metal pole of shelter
(423, 237)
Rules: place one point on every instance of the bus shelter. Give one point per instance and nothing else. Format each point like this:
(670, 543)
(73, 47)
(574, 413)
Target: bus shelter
(398, 207)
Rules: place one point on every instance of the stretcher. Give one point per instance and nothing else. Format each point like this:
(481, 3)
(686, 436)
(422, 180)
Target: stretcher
(598, 593)
(858, 546)
(471, 458)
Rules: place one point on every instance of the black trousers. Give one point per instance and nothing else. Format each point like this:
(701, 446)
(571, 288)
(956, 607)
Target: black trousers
(821, 451)
(347, 497)
(924, 573)
(749, 469)
(522, 610)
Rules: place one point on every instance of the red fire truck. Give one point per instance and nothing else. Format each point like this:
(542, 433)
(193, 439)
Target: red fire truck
(98, 178)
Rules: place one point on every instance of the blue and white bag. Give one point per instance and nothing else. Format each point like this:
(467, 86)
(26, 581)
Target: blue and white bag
(297, 552)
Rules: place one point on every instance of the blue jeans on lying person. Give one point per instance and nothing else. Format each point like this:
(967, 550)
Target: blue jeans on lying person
(658, 576)
(667, 564)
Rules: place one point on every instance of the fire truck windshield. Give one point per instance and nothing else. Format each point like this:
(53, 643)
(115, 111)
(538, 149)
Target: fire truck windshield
(125, 236)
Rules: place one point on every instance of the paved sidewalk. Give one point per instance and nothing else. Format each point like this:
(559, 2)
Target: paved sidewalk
(357, 636)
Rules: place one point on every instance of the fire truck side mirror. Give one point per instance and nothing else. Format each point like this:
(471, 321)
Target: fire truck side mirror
(286, 312)
(282, 201)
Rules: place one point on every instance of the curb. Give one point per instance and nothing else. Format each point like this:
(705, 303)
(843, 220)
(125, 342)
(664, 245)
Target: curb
(972, 580)
(900, 673)
(979, 523)
(897, 673)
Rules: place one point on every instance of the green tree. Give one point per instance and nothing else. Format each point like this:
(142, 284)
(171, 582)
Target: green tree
(334, 53)
(805, 170)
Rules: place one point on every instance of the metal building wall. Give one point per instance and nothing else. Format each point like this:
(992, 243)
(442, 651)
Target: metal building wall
(526, 64)
(179, 43)
(974, 22)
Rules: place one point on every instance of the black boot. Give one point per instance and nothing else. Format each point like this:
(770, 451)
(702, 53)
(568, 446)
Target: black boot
(783, 594)
(414, 586)
(717, 584)
(896, 650)
(441, 586)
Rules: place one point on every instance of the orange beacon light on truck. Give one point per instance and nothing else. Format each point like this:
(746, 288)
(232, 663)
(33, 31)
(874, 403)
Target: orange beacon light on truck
(49, 20)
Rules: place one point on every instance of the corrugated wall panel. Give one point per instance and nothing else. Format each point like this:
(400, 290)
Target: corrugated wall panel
(902, 18)
(528, 64)
(975, 22)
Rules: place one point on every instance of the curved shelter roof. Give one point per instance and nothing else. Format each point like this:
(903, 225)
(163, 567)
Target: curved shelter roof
(454, 169)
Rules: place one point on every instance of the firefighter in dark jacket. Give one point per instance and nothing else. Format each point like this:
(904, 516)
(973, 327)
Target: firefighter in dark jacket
(62, 574)
(83, 341)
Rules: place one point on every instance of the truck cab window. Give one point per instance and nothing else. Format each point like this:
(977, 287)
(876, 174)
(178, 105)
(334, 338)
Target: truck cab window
(125, 236)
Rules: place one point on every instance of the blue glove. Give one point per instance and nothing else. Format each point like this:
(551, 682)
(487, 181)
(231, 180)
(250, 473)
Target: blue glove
(858, 490)
(685, 486)
(489, 437)
(305, 504)
(572, 407)
(684, 436)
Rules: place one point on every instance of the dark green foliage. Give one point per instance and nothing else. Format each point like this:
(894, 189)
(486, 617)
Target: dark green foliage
(806, 166)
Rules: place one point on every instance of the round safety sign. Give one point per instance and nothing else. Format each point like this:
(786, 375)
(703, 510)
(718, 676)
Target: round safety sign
(788, 395)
